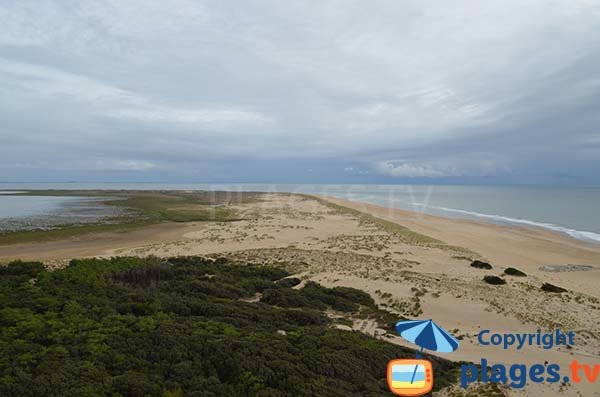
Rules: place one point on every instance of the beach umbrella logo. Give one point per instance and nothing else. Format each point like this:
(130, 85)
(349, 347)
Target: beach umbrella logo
(414, 377)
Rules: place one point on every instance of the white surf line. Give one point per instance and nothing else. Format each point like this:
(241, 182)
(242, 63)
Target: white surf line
(578, 234)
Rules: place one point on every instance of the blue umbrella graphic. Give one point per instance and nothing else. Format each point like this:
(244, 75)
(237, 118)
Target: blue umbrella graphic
(428, 335)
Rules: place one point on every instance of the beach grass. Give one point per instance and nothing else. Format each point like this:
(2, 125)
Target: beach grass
(161, 207)
(407, 235)
(28, 236)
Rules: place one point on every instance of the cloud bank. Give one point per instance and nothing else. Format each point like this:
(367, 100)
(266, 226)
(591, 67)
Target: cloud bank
(384, 92)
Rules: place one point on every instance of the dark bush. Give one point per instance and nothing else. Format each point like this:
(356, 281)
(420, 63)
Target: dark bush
(141, 327)
(144, 276)
(511, 271)
(353, 295)
(547, 287)
(494, 280)
(338, 298)
(136, 384)
(19, 268)
(480, 265)
(255, 284)
(287, 297)
(315, 296)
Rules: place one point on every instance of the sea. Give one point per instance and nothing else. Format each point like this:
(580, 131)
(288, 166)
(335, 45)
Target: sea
(573, 211)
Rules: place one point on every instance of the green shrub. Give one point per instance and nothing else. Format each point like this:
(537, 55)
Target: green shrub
(481, 265)
(547, 287)
(511, 271)
(19, 268)
(494, 280)
(287, 297)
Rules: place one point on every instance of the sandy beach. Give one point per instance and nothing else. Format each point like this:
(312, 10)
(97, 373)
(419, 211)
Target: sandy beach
(414, 265)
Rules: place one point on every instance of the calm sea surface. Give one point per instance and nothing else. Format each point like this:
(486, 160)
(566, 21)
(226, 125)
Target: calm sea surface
(572, 211)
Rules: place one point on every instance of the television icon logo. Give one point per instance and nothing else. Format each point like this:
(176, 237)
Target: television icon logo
(410, 377)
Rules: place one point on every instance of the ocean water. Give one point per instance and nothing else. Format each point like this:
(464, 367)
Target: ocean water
(571, 211)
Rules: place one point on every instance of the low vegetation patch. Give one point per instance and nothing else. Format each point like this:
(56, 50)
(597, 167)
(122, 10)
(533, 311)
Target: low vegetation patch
(20, 268)
(547, 287)
(152, 327)
(407, 235)
(511, 271)
(178, 206)
(481, 265)
(315, 296)
(494, 280)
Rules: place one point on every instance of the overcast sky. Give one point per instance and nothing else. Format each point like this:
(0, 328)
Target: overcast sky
(300, 91)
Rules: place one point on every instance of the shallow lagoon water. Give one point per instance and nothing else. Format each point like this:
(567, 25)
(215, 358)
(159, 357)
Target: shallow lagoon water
(26, 206)
(22, 212)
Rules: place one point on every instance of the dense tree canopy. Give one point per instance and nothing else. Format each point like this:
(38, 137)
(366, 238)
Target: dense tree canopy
(150, 327)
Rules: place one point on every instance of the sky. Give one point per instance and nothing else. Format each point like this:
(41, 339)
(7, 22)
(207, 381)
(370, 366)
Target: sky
(504, 92)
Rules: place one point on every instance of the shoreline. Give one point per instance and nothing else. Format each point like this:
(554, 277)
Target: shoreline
(525, 229)
(500, 220)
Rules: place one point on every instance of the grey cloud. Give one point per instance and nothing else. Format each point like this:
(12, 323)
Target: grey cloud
(402, 91)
